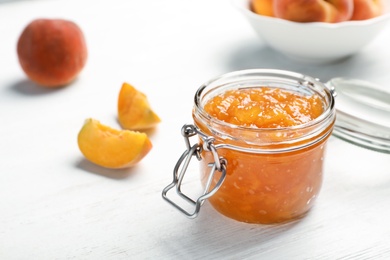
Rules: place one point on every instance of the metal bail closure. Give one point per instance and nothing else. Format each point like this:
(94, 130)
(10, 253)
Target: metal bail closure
(182, 165)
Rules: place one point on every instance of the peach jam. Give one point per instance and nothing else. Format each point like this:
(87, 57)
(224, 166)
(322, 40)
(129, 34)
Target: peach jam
(264, 107)
(271, 128)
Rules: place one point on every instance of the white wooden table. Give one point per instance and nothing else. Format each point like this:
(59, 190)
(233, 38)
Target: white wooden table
(56, 205)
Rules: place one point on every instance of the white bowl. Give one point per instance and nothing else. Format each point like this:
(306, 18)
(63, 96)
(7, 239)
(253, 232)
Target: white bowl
(314, 42)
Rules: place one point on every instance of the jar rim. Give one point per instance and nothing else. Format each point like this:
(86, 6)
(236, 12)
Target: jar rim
(271, 75)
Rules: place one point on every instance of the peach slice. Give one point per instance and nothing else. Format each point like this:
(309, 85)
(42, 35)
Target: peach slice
(134, 111)
(112, 148)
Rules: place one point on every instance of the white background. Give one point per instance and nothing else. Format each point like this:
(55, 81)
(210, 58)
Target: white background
(56, 205)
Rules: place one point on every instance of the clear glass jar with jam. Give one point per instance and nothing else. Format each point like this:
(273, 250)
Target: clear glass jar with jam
(261, 140)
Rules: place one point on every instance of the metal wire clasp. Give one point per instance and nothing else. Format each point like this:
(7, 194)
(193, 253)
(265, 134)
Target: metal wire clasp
(219, 164)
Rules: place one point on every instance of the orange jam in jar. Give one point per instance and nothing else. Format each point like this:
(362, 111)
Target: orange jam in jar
(271, 127)
(264, 107)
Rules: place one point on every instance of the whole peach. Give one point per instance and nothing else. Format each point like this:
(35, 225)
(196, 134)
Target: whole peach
(263, 7)
(52, 52)
(331, 11)
(367, 9)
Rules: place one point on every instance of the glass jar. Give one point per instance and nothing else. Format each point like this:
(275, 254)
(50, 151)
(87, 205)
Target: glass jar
(273, 175)
(256, 175)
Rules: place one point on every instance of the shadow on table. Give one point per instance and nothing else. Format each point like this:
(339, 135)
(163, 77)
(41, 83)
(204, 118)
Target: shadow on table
(117, 174)
(252, 54)
(216, 236)
(26, 87)
(11, 1)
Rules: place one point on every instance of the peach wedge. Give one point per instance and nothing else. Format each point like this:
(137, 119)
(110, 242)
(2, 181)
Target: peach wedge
(111, 148)
(134, 111)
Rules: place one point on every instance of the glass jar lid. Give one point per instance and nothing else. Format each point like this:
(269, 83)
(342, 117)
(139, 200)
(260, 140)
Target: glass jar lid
(363, 113)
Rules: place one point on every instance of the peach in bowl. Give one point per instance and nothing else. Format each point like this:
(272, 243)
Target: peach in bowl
(316, 31)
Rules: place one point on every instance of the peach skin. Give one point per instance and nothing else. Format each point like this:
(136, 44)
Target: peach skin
(331, 11)
(367, 9)
(52, 52)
